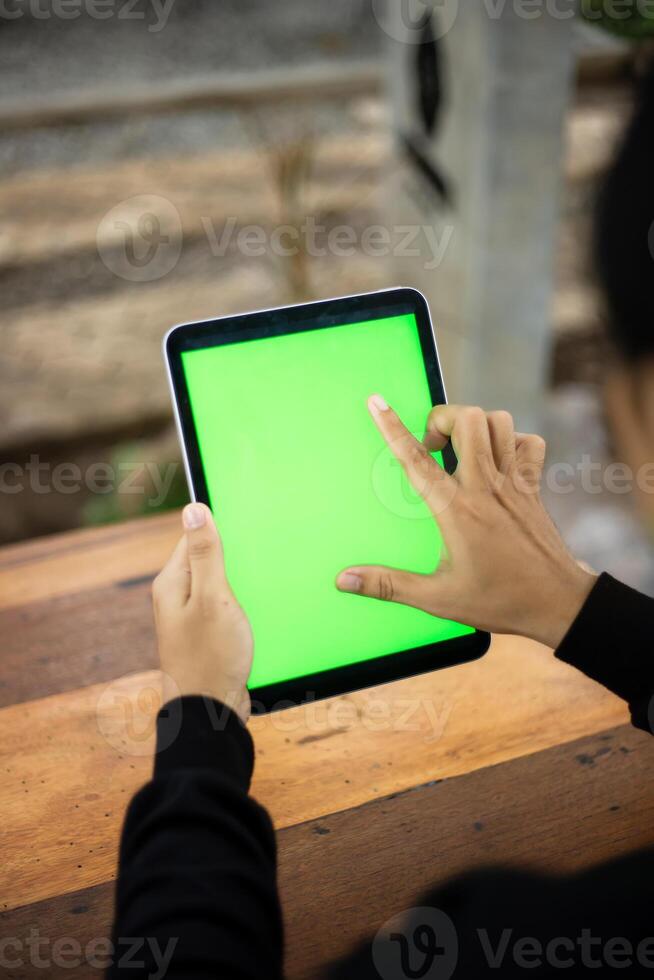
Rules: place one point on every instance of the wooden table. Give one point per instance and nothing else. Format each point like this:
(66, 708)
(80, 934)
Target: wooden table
(516, 758)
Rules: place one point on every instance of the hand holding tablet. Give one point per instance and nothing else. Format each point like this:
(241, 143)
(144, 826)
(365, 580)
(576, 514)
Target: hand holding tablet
(271, 410)
(204, 637)
(277, 441)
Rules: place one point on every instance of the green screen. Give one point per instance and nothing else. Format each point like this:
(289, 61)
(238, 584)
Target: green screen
(302, 485)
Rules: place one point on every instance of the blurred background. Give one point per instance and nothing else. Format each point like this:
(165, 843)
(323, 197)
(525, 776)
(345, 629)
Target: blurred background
(169, 160)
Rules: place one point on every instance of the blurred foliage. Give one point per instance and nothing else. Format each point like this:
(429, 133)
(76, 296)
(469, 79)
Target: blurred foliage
(141, 488)
(631, 19)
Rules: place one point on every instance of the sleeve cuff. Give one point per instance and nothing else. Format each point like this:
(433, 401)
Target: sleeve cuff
(606, 642)
(198, 732)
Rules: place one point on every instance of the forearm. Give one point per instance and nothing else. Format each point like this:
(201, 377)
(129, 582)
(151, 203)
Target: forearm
(197, 871)
(611, 642)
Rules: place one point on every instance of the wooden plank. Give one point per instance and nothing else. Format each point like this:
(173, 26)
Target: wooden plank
(72, 761)
(233, 91)
(343, 875)
(205, 188)
(89, 559)
(75, 611)
(81, 916)
(76, 639)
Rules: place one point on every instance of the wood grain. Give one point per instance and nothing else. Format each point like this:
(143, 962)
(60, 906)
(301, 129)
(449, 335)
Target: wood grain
(346, 873)
(76, 639)
(377, 860)
(82, 560)
(100, 627)
(374, 795)
(71, 762)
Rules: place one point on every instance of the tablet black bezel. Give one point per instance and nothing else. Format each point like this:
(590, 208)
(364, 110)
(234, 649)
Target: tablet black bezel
(296, 319)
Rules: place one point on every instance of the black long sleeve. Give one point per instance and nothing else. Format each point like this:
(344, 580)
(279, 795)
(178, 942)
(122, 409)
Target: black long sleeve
(597, 920)
(197, 860)
(197, 868)
(611, 642)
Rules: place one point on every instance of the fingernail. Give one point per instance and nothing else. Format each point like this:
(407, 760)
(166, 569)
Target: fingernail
(379, 403)
(349, 582)
(194, 516)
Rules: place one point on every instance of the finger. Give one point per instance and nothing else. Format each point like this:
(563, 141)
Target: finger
(530, 457)
(502, 436)
(467, 427)
(389, 584)
(530, 446)
(433, 438)
(172, 586)
(425, 475)
(205, 552)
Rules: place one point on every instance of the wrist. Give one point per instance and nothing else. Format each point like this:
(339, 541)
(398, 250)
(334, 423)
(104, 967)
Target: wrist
(234, 696)
(192, 734)
(560, 602)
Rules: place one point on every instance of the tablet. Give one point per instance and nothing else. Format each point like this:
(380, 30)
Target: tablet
(277, 439)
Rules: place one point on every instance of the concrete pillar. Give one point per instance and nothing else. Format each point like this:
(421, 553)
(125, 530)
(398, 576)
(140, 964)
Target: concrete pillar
(505, 72)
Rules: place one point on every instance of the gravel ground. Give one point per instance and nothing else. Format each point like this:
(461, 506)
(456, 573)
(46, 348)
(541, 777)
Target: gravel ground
(199, 38)
(196, 37)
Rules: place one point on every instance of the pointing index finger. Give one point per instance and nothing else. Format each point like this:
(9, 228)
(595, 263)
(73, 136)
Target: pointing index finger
(425, 475)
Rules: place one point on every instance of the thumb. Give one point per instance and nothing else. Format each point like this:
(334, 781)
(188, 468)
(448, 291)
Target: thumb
(205, 552)
(389, 584)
